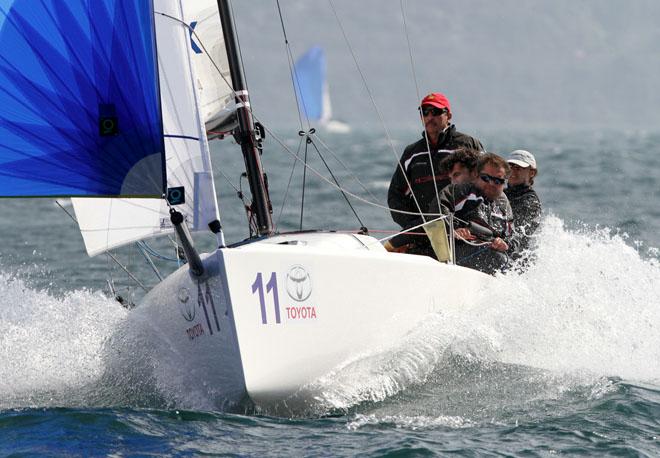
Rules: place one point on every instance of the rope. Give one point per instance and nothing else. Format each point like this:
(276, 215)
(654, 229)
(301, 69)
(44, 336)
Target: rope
(151, 263)
(410, 229)
(143, 245)
(109, 255)
(252, 223)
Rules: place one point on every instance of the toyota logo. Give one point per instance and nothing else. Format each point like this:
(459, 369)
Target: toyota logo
(186, 308)
(298, 283)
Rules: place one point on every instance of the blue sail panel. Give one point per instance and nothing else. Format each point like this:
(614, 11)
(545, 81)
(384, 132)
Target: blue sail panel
(80, 107)
(310, 74)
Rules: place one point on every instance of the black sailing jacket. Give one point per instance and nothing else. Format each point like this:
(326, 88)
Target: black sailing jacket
(415, 161)
(468, 205)
(526, 207)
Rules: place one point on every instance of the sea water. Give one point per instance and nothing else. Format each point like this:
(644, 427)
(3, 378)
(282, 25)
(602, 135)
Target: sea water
(563, 358)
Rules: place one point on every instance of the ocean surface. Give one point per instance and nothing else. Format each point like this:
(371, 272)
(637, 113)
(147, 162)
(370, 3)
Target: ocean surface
(561, 360)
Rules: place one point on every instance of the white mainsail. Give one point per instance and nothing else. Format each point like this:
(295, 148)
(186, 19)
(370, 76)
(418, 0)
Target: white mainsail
(192, 94)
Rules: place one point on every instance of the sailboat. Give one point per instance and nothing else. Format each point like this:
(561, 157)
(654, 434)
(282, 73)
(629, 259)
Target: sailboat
(109, 102)
(311, 84)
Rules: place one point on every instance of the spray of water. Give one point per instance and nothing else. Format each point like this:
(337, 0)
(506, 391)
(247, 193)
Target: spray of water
(591, 302)
(50, 348)
(584, 313)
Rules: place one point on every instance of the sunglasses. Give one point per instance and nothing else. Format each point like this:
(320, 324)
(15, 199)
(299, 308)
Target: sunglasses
(490, 178)
(433, 111)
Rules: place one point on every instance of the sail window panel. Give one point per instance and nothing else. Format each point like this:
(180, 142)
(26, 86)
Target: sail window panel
(79, 99)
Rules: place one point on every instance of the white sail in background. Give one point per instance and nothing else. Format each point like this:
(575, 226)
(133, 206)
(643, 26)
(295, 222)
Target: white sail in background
(326, 111)
(108, 223)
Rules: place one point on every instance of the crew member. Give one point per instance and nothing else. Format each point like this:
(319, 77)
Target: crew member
(524, 201)
(461, 166)
(417, 178)
(483, 219)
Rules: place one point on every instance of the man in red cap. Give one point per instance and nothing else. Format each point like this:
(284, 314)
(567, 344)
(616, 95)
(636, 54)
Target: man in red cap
(418, 176)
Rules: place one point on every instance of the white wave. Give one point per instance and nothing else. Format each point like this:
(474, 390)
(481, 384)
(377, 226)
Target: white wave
(50, 346)
(588, 309)
(590, 302)
(413, 423)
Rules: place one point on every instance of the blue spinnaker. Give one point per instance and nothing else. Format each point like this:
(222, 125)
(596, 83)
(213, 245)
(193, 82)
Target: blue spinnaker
(310, 74)
(80, 107)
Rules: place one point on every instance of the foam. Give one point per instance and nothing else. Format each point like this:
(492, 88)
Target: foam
(591, 302)
(50, 345)
(587, 311)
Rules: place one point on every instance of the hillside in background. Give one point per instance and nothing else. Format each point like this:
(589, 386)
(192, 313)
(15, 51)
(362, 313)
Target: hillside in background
(504, 64)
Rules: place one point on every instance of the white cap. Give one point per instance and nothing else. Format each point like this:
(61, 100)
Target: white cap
(522, 158)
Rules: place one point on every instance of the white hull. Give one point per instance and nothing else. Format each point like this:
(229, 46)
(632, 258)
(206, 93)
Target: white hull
(337, 299)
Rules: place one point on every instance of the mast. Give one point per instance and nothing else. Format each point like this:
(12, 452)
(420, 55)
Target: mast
(246, 136)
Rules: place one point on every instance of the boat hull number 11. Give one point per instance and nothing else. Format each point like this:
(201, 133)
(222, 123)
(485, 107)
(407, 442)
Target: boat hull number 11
(299, 289)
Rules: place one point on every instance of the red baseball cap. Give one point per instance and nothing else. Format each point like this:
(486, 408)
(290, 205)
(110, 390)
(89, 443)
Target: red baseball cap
(436, 99)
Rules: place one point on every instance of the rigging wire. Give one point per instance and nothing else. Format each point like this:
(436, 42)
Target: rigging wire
(302, 201)
(311, 131)
(251, 217)
(421, 115)
(109, 255)
(239, 192)
(301, 106)
(283, 145)
(294, 74)
(351, 173)
(340, 188)
(288, 186)
(380, 116)
(296, 83)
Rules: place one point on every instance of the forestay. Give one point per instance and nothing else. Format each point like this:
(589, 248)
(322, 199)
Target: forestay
(192, 94)
(80, 110)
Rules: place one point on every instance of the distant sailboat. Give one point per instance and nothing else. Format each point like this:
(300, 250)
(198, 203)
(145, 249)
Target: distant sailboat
(312, 90)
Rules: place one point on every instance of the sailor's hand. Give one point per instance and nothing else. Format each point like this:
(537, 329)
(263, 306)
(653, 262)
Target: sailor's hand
(499, 245)
(396, 249)
(464, 233)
